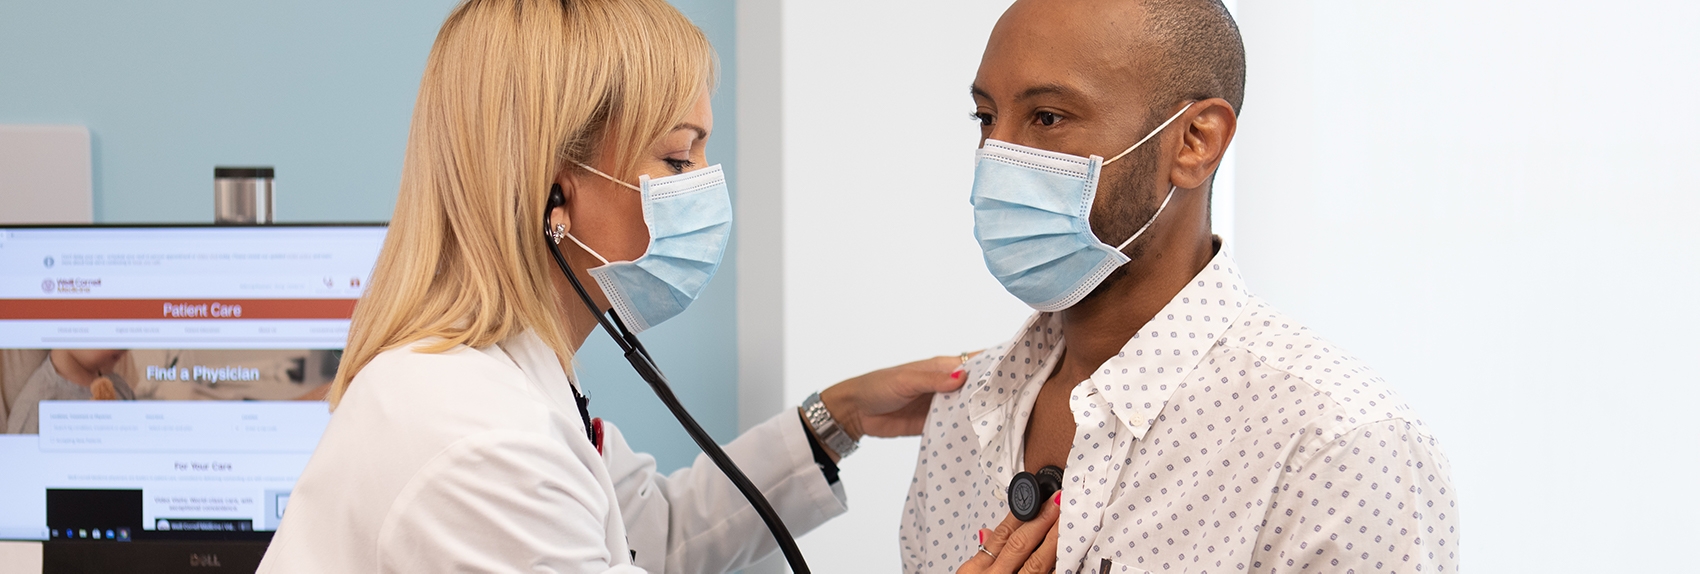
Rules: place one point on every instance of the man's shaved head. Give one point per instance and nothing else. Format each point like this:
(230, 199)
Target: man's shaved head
(1196, 52)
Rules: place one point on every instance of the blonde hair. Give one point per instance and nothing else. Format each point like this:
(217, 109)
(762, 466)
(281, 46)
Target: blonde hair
(513, 91)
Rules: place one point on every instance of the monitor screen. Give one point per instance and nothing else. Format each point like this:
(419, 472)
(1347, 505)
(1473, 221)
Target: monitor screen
(166, 383)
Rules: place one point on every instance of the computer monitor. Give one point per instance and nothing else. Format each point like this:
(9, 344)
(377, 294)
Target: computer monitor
(163, 385)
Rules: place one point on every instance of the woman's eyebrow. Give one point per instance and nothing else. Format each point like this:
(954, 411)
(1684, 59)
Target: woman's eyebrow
(702, 134)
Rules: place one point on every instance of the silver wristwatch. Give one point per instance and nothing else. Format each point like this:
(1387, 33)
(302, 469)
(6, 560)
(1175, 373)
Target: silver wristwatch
(826, 427)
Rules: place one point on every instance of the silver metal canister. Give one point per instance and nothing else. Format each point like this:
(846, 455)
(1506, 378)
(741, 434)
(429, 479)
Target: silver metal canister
(242, 195)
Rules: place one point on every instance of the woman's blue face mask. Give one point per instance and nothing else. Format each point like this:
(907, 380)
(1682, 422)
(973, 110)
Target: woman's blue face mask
(1032, 217)
(689, 217)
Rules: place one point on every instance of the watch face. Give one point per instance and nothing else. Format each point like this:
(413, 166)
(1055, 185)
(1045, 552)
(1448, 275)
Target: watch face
(1024, 497)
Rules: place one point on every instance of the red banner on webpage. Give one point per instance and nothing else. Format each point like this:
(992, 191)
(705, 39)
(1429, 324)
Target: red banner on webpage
(49, 309)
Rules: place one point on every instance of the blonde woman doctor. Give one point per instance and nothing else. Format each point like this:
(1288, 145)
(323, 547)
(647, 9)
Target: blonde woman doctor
(457, 442)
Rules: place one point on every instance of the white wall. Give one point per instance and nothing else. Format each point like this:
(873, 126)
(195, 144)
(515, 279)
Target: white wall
(879, 264)
(1495, 203)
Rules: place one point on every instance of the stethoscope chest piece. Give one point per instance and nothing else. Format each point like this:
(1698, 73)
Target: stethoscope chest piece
(1028, 491)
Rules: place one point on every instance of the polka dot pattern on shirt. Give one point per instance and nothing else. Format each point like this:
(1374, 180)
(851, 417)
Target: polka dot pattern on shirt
(1224, 437)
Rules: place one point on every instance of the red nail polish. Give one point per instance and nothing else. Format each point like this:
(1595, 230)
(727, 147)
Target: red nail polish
(1057, 499)
(957, 374)
(982, 536)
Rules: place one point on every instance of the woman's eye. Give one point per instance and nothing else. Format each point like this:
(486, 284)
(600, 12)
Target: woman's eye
(1046, 118)
(985, 119)
(678, 165)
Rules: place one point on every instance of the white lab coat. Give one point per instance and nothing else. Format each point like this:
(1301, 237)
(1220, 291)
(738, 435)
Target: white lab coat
(476, 460)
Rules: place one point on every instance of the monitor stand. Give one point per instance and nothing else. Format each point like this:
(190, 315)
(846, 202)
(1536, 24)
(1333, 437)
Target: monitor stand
(152, 557)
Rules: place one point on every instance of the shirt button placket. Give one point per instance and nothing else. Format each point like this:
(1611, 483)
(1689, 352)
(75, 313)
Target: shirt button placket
(1086, 484)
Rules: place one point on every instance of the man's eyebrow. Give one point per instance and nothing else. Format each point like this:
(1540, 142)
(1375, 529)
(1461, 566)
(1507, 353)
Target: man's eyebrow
(1033, 92)
(702, 134)
(1046, 90)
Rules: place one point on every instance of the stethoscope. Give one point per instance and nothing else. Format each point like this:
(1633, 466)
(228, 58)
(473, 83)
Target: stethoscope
(1028, 491)
(645, 367)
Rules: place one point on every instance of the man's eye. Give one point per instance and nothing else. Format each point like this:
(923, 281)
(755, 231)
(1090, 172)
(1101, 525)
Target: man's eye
(678, 165)
(1046, 118)
(985, 119)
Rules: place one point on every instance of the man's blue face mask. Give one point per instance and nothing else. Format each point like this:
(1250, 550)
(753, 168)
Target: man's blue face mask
(1032, 212)
(690, 220)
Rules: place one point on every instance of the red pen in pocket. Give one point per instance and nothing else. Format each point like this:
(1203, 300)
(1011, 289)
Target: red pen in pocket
(596, 433)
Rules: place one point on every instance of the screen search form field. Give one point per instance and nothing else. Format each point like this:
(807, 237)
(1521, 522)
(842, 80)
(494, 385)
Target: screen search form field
(183, 426)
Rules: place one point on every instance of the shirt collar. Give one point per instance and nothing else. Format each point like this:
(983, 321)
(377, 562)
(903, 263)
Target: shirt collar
(1141, 378)
(1150, 367)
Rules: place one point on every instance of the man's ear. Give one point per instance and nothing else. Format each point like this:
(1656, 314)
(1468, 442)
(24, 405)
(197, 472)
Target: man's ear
(1210, 127)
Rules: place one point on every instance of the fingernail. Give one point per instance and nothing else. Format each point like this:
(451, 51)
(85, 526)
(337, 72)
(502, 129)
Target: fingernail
(957, 374)
(1057, 499)
(982, 536)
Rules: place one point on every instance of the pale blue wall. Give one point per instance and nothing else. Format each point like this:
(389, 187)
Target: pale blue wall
(322, 90)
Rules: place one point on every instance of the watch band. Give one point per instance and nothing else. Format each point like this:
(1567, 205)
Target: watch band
(826, 427)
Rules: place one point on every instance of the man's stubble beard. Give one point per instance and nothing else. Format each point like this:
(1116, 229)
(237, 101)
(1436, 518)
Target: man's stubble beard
(1123, 206)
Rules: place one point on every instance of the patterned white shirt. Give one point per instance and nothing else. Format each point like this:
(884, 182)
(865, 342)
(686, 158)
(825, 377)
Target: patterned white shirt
(1224, 437)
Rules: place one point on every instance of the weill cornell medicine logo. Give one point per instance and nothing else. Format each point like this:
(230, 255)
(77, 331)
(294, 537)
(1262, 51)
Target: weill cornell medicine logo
(71, 285)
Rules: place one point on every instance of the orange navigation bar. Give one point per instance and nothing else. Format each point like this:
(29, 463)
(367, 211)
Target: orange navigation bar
(50, 309)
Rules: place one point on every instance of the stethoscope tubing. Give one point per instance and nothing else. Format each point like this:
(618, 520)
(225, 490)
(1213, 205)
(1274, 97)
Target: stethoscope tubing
(645, 367)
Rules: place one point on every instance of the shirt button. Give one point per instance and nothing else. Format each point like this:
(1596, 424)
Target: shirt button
(1138, 421)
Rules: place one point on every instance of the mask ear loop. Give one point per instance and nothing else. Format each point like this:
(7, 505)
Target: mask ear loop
(587, 249)
(639, 189)
(1148, 222)
(1166, 198)
(581, 244)
(1135, 146)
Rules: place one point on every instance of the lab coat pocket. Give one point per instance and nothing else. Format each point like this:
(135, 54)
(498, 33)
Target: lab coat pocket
(1108, 566)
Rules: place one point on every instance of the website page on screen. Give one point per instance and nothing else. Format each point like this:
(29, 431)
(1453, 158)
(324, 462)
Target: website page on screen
(167, 383)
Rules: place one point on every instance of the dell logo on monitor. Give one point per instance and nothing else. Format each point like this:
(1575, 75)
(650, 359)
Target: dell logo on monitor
(204, 560)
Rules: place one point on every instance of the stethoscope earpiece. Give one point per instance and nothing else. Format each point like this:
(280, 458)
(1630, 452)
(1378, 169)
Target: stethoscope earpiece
(556, 197)
(1028, 491)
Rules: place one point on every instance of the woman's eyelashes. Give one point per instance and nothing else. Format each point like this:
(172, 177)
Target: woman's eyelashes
(678, 165)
